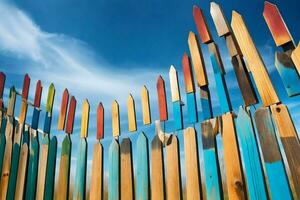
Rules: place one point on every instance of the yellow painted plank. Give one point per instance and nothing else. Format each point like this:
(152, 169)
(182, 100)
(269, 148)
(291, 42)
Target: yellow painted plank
(50, 99)
(85, 119)
(254, 61)
(20, 185)
(219, 19)
(296, 58)
(145, 106)
(197, 60)
(97, 175)
(175, 93)
(22, 115)
(131, 113)
(115, 119)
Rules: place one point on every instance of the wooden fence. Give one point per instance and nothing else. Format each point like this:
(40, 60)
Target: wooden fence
(251, 154)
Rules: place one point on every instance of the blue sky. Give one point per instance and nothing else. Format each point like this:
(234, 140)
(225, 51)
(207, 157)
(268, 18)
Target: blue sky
(104, 50)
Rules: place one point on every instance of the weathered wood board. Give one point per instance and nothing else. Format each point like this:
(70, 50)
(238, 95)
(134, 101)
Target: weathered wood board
(205, 103)
(21, 177)
(126, 170)
(131, 113)
(145, 106)
(96, 191)
(6, 168)
(115, 117)
(113, 171)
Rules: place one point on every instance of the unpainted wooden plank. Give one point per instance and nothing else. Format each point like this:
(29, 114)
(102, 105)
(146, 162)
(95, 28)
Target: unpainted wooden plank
(85, 119)
(115, 117)
(71, 116)
(23, 111)
(6, 168)
(175, 93)
(187, 74)
(131, 113)
(63, 110)
(114, 171)
(126, 170)
(219, 19)
(96, 189)
(145, 106)
(100, 121)
(21, 177)
(201, 25)
(254, 61)
(162, 102)
(296, 58)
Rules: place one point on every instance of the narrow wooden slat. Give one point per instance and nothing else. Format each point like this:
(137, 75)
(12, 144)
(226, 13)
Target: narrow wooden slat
(215, 52)
(71, 116)
(96, 192)
(191, 165)
(290, 142)
(85, 119)
(145, 106)
(23, 112)
(131, 113)
(205, 103)
(192, 108)
(201, 25)
(187, 74)
(113, 171)
(219, 19)
(2, 83)
(277, 179)
(2, 143)
(115, 117)
(233, 168)
(175, 93)
(254, 61)
(162, 102)
(26, 84)
(80, 174)
(20, 185)
(11, 102)
(50, 98)
(233, 47)
(197, 60)
(157, 169)
(177, 115)
(62, 187)
(142, 175)
(38, 94)
(63, 110)
(288, 74)
(296, 58)
(126, 170)
(277, 26)
(173, 169)
(100, 121)
(6, 168)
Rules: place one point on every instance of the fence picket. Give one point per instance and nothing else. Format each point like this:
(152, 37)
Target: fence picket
(96, 191)
(113, 171)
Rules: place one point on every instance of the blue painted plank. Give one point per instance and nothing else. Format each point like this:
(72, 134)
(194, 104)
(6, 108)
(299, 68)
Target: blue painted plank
(80, 176)
(142, 176)
(250, 157)
(205, 103)
(47, 123)
(113, 171)
(14, 172)
(177, 113)
(35, 119)
(192, 108)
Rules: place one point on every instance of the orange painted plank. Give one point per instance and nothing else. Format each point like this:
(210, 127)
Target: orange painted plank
(71, 115)
(162, 102)
(38, 94)
(26, 85)
(201, 25)
(187, 74)
(2, 83)
(63, 110)
(276, 24)
(100, 121)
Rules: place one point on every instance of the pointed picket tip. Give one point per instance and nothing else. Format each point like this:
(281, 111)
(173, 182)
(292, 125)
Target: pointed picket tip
(142, 138)
(26, 85)
(156, 143)
(175, 93)
(2, 83)
(114, 146)
(276, 24)
(187, 73)
(115, 119)
(162, 102)
(50, 98)
(63, 110)
(235, 15)
(66, 145)
(71, 116)
(145, 106)
(100, 121)
(125, 146)
(131, 113)
(85, 118)
(219, 19)
(38, 94)
(201, 25)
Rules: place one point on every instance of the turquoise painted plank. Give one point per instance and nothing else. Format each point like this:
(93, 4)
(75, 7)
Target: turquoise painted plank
(250, 157)
(32, 169)
(113, 171)
(50, 173)
(14, 172)
(288, 73)
(80, 176)
(2, 142)
(35, 118)
(142, 176)
(205, 103)
(220, 85)
(177, 113)
(26, 137)
(47, 123)
(192, 108)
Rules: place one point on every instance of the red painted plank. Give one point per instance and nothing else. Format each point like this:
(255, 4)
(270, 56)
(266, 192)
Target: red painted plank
(162, 103)
(63, 109)
(26, 85)
(201, 25)
(71, 115)
(100, 121)
(2, 83)
(276, 24)
(187, 73)
(38, 94)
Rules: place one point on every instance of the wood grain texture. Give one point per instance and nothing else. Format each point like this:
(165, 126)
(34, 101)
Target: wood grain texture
(157, 169)
(254, 61)
(288, 74)
(85, 119)
(219, 19)
(100, 122)
(187, 74)
(71, 116)
(6, 168)
(290, 142)
(201, 25)
(23, 111)
(38, 94)
(197, 60)
(233, 168)
(62, 187)
(232, 46)
(131, 113)
(63, 110)
(145, 106)
(142, 171)
(115, 117)
(126, 170)
(50, 99)
(114, 171)
(26, 85)
(173, 169)
(296, 58)
(21, 177)
(191, 165)
(277, 26)
(2, 83)
(162, 102)
(175, 93)
(96, 191)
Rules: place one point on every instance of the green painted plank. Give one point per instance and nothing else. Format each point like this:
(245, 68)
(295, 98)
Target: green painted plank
(14, 170)
(2, 143)
(113, 171)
